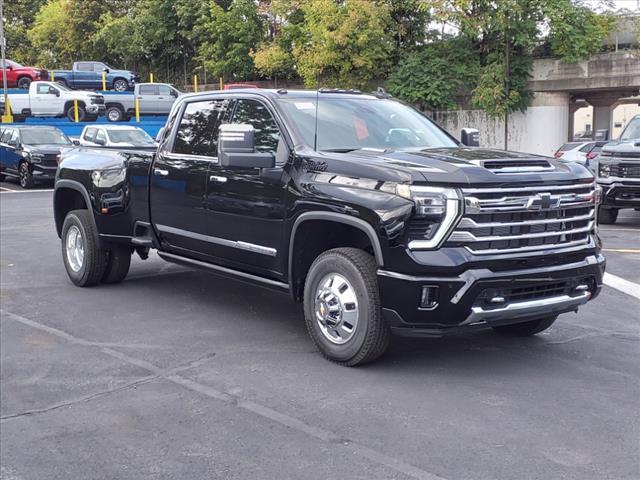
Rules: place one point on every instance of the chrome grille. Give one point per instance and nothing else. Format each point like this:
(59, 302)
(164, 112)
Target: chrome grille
(625, 170)
(523, 219)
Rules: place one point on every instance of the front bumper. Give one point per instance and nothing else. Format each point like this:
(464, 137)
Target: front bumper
(93, 109)
(621, 194)
(462, 299)
(41, 172)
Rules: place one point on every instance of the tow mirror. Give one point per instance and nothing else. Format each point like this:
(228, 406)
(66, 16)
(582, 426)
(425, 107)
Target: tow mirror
(470, 137)
(100, 141)
(105, 70)
(75, 142)
(237, 148)
(54, 91)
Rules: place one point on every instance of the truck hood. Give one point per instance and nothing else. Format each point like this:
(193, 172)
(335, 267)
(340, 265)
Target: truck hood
(623, 146)
(46, 149)
(463, 165)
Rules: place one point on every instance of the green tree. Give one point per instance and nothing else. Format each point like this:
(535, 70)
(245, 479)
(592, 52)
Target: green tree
(19, 17)
(223, 35)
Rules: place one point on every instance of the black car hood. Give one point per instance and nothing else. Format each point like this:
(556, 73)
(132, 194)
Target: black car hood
(46, 149)
(468, 165)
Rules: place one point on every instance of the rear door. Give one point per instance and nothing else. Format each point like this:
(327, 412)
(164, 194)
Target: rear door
(179, 177)
(12, 150)
(148, 99)
(246, 205)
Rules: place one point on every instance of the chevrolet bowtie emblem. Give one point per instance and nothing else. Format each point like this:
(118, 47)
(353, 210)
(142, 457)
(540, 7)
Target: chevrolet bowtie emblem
(542, 201)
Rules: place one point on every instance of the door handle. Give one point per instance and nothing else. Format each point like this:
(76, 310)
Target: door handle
(215, 178)
(158, 171)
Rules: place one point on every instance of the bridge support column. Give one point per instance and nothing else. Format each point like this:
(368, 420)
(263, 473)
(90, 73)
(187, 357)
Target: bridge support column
(603, 106)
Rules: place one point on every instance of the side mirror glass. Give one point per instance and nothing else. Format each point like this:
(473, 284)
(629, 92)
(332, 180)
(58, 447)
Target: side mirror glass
(54, 91)
(75, 142)
(237, 148)
(470, 137)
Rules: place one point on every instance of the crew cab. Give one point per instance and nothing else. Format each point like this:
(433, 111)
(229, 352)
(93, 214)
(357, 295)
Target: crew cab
(49, 99)
(618, 173)
(116, 136)
(356, 205)
(31, 153)
(153, 99)
(89, 75)
(21, 76)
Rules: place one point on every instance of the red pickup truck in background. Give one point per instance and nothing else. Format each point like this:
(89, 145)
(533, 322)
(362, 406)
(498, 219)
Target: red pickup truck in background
(20, 76)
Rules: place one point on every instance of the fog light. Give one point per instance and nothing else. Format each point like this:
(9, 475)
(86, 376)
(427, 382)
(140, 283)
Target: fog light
(429, 299)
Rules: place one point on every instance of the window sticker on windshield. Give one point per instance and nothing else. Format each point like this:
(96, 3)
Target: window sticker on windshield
(305, 106)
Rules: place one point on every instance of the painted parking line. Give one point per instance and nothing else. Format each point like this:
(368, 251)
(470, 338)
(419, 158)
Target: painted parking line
(624, 286)
(8, 190)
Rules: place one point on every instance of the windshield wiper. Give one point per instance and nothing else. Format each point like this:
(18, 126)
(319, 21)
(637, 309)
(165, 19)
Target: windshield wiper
(347, 150)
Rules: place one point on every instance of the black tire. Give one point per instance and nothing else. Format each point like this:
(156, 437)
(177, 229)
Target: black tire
(118, 262)
(71, 115)
(120, 85)
(526, 329)
(24, 82)
(94, 261)
(114, 114)
(370, 335)
(607, 215)
(25, 176)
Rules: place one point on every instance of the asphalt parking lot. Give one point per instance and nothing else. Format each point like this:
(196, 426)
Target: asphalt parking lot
(177, 374)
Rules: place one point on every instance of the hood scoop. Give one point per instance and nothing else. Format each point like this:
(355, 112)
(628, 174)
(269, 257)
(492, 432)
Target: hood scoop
(515, 165)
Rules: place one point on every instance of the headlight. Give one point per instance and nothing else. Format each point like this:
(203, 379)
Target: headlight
(604, 170)
(439, 208)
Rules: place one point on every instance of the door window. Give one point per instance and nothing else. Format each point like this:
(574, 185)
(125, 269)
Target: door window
(632, 131)
(164, 90)
(266, 132)
(43, 89)
(198, 130)
(147, 90)
(14, 141)
(84, 67)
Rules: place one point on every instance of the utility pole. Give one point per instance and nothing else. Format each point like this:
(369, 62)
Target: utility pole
(3, 42)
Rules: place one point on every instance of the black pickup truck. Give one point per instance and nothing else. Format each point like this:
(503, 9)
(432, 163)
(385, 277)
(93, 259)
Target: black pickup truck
(354, 204)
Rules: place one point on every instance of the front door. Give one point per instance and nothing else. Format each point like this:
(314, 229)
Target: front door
(179, 178)
(148, 99)
(246, 205)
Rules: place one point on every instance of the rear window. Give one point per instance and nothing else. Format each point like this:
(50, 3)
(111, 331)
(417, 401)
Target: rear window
(587, 148)
(568, 146)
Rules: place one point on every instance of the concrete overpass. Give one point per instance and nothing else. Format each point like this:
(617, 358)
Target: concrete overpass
(604, 82)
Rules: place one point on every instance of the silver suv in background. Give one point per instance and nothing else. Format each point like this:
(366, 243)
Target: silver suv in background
(618, 173)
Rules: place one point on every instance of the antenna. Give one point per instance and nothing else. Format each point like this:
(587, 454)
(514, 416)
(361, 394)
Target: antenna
(315, 130)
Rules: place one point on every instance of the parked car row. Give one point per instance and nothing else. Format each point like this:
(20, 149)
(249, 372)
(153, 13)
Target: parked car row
(52, 99)
(31, 153)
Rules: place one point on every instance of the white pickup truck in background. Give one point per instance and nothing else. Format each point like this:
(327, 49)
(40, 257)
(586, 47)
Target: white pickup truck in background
(153, 99)
(50, 99)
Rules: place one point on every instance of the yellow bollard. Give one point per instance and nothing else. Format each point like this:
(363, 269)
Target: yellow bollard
(104, 80)
(221, 83)
(137, 110)
(195, 83)
(75, 110)
(7, 117)
(53, 76)
(151, 77)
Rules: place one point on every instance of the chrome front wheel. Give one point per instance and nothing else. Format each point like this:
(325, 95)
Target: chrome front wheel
(75, 248)
(336, 308)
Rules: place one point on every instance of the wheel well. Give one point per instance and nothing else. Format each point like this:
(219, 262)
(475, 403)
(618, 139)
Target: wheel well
(312, 238)
(69, 104)
(23, 76)
(65, 200)
(116, 105)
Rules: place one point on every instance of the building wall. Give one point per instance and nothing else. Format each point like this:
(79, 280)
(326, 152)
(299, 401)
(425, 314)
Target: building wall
(540, 130)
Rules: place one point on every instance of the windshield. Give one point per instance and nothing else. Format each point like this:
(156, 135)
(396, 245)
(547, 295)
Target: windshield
(41, 136)
(11, 63)
(348, 123)
(632, 131)
(134, 137)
